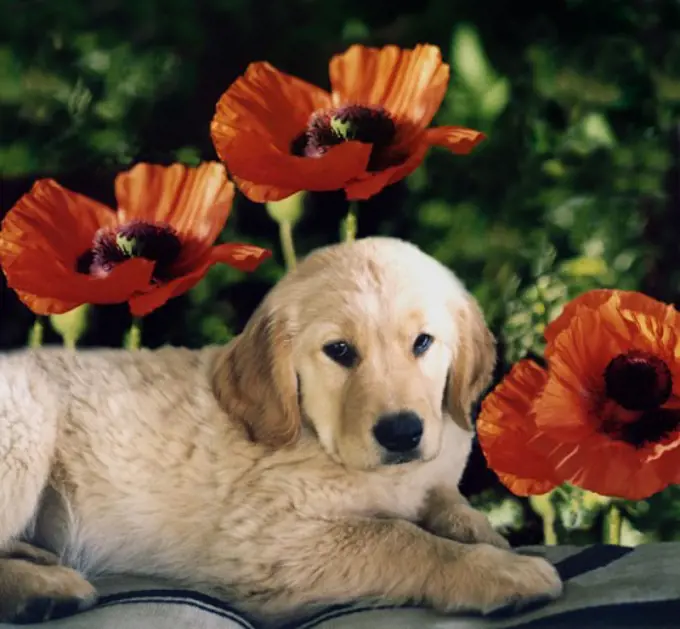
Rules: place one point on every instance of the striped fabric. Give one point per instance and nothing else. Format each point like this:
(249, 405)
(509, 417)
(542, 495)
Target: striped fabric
(606, 587)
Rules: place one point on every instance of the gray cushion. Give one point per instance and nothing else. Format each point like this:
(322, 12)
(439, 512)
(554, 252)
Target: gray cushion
(606, 587)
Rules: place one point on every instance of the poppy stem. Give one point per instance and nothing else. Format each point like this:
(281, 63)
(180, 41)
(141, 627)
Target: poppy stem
(133, 338)
(543, 506)
(549, 534)
(613, 523)
(349, 225)
(287, 244)
(35, 336)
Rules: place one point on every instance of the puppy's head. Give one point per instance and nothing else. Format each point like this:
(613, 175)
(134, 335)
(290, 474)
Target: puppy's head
(374, 345)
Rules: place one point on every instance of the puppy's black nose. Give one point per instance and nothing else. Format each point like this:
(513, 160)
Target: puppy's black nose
(399, 432)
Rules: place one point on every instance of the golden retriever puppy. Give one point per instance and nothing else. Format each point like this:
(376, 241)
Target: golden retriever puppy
(315, 459)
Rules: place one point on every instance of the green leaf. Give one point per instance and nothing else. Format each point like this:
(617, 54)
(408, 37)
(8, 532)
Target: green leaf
(469, 61)
(188, 155)
(417, 181)
(543, 70)
(11, 88)
(495, 99)
(584, 267)
(597, 130)
(355, 30)
(215, 329)
(17, 160)
(79, 100)
(554, 168)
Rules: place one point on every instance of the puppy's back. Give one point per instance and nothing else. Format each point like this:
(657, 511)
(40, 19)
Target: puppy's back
(142, 452)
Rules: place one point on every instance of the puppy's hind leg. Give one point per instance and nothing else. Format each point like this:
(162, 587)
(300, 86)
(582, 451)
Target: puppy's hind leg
(29, 552)
(30, 592)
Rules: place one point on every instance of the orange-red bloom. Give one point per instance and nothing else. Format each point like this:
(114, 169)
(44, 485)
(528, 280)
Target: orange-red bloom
(60, 249)
(613, 396)
(278, 134)
(507, 432)
(627, 300)
(606, 416)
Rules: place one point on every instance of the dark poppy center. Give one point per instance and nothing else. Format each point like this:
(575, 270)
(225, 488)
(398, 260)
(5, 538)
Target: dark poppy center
(638, 381)
(136, 239)
(650, 427)
(329, 127)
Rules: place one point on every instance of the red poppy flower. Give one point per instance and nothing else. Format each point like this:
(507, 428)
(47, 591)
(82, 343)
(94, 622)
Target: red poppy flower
(278, 134)
(60, 249)
(612, 401)
(508, 435)
(628, 300)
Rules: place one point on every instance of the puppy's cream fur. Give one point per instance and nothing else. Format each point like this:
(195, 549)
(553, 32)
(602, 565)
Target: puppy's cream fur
(251, 470)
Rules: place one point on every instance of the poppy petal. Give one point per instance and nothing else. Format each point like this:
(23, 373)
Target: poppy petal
(256, 122)
(614, 468)
(194, 201)
(526, 486)
(505, 427)
(269, 104)
(268, 170)
(46, 305)
(262, 192)
(41, 240)
(50, 223)
(590, 299)
(458, 140)
(368, 185)
(627, 300)
(586, 437)
(240, 256)
(577, 365)
(59, 290)
(143, 303)
(371, 183)
(409, 84)
(575, 409)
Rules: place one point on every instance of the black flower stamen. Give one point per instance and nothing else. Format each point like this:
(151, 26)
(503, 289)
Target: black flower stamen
(638, 381)
(651, 427)
(84, 262)
(370, 125)
(135, 239)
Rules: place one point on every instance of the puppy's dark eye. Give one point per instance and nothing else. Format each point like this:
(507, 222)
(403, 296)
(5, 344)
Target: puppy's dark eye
(422, 344)
(341, 352)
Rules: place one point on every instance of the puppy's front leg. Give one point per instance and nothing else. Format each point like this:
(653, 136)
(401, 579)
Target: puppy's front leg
(394, 561)
(32, 593)
(448, 514)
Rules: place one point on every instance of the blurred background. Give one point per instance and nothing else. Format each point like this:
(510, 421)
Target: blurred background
(577, 187)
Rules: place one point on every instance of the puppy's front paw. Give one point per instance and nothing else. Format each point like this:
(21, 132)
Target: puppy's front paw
(483, 533)
(31, 593)
(468, 526)
(518, 581)
(496, 581)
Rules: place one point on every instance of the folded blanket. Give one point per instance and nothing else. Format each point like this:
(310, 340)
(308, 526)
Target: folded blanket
(606, 587)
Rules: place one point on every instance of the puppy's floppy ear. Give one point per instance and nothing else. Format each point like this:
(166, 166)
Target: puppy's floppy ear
(255, 382)
(473, 365)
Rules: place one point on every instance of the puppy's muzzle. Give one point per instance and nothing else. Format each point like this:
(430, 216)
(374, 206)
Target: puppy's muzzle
(399, 435)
